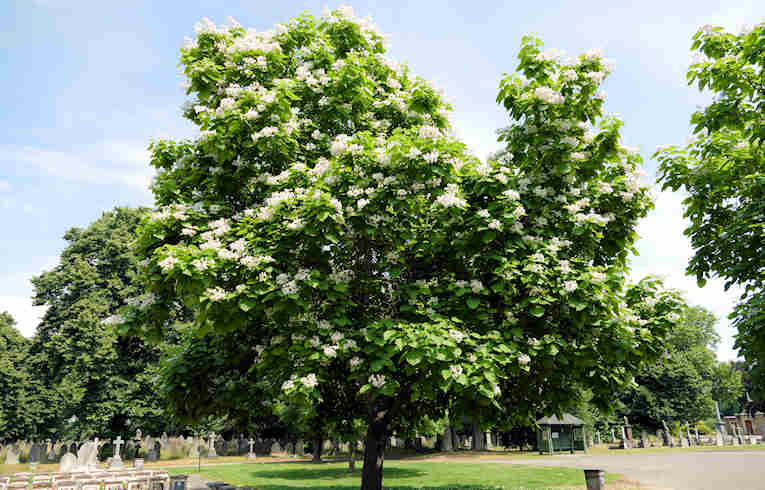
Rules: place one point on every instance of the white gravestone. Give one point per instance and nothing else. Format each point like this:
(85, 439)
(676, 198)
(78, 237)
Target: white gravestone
(117, 459)
(251, 454)
(12, 455)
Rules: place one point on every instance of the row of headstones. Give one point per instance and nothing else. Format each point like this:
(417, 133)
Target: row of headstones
(160, 448)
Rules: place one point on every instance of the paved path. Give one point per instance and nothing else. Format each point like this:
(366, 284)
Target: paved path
(687, 470)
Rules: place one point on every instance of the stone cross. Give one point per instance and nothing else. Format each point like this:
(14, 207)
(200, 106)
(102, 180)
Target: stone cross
(117, 445)
(211, 448)
(251, 454)
(116, 462)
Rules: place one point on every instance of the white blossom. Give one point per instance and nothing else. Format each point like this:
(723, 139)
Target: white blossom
(309, 381)
(216, 293)
(377, 380)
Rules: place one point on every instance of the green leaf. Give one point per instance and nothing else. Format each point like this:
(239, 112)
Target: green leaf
(247, 304)
(537, 311)
(473, 302)
(413, 357)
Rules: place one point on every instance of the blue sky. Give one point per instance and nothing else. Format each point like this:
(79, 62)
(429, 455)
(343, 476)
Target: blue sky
(85, 86)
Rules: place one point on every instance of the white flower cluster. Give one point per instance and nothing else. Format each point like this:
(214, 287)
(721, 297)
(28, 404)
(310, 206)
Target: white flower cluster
(216, 293)
(449, 198)
(113, 320)
(310, 381)
(548, 95)
(377, 380)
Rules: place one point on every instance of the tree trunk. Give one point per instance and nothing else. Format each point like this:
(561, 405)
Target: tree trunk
(318, 443)
(352, 456)
(478, 434)
(447, 441)
(378, 418)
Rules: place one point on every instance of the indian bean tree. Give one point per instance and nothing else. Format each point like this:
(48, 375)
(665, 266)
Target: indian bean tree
(327, 210)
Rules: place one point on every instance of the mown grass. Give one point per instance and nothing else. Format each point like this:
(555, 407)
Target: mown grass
(397, 474)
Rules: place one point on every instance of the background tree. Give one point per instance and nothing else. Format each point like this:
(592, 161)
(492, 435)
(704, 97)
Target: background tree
(684, 384)
(86, 368)
(326, 211)
(727, 388)
(721, 169)
(21, 398)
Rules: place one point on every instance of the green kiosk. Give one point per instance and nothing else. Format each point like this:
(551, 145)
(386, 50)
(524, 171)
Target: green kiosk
(557, 435)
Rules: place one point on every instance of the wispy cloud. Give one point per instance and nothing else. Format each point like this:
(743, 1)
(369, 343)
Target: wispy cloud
(110, 162)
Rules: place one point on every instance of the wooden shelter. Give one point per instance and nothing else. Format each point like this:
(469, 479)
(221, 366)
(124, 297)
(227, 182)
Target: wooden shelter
(556, 435)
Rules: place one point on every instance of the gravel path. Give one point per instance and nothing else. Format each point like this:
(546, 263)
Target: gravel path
(697, 470)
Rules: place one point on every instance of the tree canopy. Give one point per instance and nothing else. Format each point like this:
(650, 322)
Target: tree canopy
(721, 169)
(327, 212)
(94, 382)
(683, 385)
(18, 407)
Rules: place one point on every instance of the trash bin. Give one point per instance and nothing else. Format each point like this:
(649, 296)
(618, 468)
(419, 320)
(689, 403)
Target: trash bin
(595, 479)
(178, 482)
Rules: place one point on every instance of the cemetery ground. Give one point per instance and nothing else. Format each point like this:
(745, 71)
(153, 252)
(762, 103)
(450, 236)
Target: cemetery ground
(698, 467)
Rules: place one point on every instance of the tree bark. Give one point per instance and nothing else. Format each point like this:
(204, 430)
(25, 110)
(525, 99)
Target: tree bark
(478, 444)
(352, 455)
(378, 418)
(447, 440)
(318, 443)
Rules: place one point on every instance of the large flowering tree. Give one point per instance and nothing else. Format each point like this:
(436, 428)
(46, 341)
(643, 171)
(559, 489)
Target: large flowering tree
(326, 211)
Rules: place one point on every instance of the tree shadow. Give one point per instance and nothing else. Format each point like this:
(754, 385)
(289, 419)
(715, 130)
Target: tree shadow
(320, 473)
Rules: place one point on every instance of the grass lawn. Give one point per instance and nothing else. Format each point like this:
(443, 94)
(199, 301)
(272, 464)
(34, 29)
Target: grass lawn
(398, 474)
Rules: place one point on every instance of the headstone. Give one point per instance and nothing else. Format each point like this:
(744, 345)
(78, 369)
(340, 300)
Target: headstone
(251, 454)
(275, 448)
(12, 455)
(68, 462)
(50, 452)
(34, 453)
(116, 462)
(300, 448)
(232, 448)
(211, 446)
(626, 443)
(627, 431)
(666, 436)
(93, 460)
(643, 440)
(152, 455)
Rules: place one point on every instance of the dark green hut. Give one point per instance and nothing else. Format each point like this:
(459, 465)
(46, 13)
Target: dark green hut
(566, 434)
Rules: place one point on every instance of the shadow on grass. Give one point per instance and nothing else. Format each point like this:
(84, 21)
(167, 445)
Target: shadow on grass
(398, 487)
(320, 473)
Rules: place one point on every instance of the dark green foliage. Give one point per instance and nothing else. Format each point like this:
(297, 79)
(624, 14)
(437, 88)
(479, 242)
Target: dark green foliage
(683, 386)
(86, 370)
